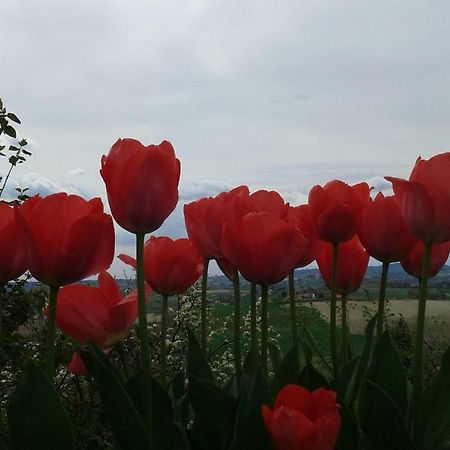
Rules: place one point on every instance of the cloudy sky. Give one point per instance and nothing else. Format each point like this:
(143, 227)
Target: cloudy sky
(277, 95)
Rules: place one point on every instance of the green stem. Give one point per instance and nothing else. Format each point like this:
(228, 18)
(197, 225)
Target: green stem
(143, 328)
(333, 320)
(51, 332)
(253, 326)
(237, 323)
(420, 330)
(204, 305)
(292, 306)
(163, 362)
(345, 336)
(381, 300)
(264, 327)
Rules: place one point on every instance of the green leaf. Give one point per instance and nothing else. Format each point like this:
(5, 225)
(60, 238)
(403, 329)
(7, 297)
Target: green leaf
(358, 375)
(432, 426)
(13, 160)
(169, 435)
(381, 419)
(13, 117)
(276, 356)
(214, 411)
(136, 387)
(125, 421)
(10, 131)
(349, 434)
(311, 379)
(249, 430)
(345, 375)
(37, 419)
(196, 362)
(288, 370)
(386, 371)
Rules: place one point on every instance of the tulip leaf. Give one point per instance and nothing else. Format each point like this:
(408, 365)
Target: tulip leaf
(345, 375)
(288, 370)
(386, 371)
(349, 434)
(214, 411)
(180, 400)
(276, 356)
(136, 387)
(249, 430)
(311, 379)
(196, 362)
(357, 378)
(126, 423)
(432, 426)
(381, 419)
(169, 435)
(37, 419)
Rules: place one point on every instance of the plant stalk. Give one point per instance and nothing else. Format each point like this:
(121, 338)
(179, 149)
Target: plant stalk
(382, 300)
(253, 325)
(237, 322)
(292, 306)
(264, 327)
(163, 362)
(420, 329)
(204, 305)
(51, 333)
(333, 319)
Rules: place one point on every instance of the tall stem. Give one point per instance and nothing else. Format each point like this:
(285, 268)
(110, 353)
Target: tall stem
(51, 333)
(381, 300)
(203, 305)
(292, 305)
(237, 323)
(264, 327)
(253, 327)
(143, 328)
(345, 337)
(163, 362)
(420, 330)
(333, 321)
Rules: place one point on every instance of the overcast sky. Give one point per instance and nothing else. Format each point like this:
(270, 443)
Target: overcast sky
(277, 95)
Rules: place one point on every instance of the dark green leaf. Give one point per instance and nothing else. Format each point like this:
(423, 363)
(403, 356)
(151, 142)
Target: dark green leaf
(136, 387)
(10, 131)
(288, 371)
(345, 375)
(381, 419)
(125, 421)
(214, 411)
(349, 434)
(37, 420)
(23, 142)
(311, 379)
(13, 117)
(386, 371)
(432, 427)
(276, 356)
(249, 430)
(13, 160)
(196, 362)
(169, 435)
(26, 152)
(358, 375)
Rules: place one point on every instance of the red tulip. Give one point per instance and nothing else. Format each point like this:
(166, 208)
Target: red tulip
(142, 183)
(303, 420)
(205, 217)
(424, 200)
(335, 209)
(413, 262)
(351, 265)
(97, 314)
(170, 266)
(13, 258)
(267, 201)
(301, 217)
(383, 231)
(68, 238)
(263, 247)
